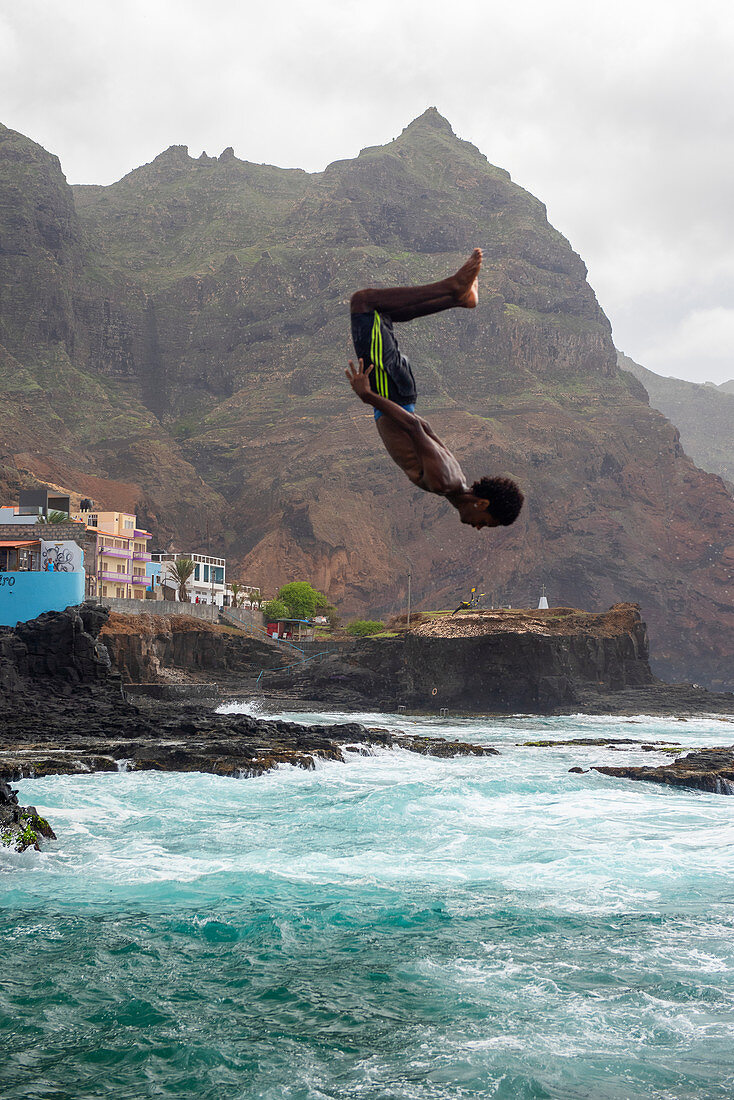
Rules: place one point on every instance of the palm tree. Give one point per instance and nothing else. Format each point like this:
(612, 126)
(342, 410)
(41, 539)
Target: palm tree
(53, 517)
(179, 572)
(237, 594)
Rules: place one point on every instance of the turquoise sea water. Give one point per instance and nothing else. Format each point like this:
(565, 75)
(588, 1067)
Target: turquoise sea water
(398, 927)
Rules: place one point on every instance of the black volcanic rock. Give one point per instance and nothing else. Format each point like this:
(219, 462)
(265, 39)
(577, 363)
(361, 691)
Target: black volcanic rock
(62, 712)
(21, 827)
(538, 662)
(708, 769)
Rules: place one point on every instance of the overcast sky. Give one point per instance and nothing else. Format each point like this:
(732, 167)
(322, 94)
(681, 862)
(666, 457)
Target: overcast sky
(618, 115)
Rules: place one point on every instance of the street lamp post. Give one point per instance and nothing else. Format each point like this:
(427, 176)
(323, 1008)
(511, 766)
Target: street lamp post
(409, 576)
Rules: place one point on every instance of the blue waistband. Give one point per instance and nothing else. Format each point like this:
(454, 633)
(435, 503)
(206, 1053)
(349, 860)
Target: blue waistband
(410, 407)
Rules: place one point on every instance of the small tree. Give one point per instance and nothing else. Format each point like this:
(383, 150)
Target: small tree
(301, 599)
(362, 628)
(180, 572)
(237, 593)
(276, 609)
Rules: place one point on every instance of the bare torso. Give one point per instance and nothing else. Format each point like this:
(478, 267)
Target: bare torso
(414, 446)
(421, 455)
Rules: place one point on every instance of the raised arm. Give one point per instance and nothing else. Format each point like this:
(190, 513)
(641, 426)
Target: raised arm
(359, 380)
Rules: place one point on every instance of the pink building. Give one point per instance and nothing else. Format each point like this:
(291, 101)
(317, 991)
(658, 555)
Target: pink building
(121, 555)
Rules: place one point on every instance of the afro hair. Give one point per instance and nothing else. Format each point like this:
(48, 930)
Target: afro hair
(504, 496)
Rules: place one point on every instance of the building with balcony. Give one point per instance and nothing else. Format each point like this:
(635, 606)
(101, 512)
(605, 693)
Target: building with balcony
(207, 583)
(121, 555)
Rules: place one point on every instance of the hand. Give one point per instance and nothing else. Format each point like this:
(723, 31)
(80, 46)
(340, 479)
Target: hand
(359, 380)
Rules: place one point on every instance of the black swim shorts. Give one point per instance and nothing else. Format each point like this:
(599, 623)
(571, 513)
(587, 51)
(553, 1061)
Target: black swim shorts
(376, 343)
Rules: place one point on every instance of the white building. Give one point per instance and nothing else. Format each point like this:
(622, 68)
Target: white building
(207, 583)
(248, 596)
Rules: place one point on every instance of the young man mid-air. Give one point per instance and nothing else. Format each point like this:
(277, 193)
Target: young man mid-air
(389, 386)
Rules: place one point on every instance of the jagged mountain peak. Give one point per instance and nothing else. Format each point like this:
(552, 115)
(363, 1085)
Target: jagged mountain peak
(174, 154)
(427, 133)
(431, 119)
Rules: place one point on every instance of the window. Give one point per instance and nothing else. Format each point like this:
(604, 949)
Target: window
(120, 592)
(129, 524)
(206, 574)
(92, 520)
(196, 573)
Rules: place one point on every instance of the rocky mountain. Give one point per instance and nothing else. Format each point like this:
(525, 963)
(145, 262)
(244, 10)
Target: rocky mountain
(177, 340)
(704, 415)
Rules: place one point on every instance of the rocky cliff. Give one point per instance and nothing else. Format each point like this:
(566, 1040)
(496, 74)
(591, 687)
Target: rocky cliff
(55, 656)
(704, 415)
(169, 649)
(175, 343)
(504, 662)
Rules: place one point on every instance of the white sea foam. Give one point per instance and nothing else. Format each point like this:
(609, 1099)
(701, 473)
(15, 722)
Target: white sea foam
(252, 707)
(453, 923)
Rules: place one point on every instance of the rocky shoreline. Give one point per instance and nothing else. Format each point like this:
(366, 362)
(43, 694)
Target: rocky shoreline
(705, 769)
(699, 769)
(172, 737)
(63, 710)
(21, 827)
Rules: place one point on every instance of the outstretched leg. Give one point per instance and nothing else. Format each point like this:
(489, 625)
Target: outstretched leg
(403, 303)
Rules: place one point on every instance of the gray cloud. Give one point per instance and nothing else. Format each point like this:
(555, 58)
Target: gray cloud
(619, 118)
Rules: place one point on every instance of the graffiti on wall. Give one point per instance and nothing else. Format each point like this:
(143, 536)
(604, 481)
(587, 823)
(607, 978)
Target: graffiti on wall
(62, 557)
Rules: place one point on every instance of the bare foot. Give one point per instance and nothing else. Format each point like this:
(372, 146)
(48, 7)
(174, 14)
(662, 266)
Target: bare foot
(467, 281)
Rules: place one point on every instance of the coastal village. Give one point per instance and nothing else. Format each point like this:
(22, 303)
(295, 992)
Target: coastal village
(53, 555)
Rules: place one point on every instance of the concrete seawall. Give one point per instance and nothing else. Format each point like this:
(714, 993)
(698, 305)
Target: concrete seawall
(208, 612)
